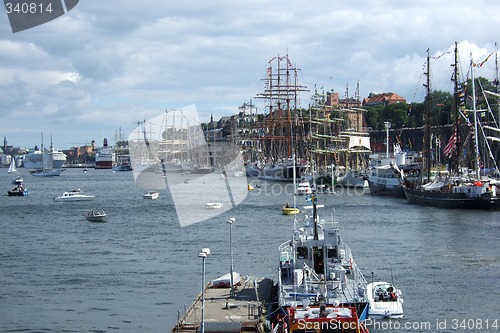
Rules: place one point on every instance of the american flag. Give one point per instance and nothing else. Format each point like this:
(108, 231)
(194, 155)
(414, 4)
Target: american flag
(452, 145)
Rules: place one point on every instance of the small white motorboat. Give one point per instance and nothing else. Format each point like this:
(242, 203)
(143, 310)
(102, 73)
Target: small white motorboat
(384, 300)
(214, 205)
(74, 195)
(97, 215)
(151, 195)
(18, 180)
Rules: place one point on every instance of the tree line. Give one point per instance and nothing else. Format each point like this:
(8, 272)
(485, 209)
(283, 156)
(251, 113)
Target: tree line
(404, 115)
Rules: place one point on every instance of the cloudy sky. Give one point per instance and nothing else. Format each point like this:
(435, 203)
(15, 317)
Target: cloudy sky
(107, 64)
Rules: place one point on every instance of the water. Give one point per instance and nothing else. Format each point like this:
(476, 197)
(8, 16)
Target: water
(61, 273)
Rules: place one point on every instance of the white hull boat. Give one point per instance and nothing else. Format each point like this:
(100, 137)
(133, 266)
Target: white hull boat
(214, 205)
(151, 195)
(304, 187)
(74, 195)
(96, 215)
(385, 300)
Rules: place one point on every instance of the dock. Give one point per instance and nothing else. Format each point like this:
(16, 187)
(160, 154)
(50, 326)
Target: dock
(224, 314)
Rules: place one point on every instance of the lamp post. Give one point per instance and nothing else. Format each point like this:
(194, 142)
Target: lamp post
(230, 221)
(203, 254)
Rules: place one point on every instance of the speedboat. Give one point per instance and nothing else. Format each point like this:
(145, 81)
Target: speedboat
(151, 195)
(97, 215)
(385, 300)
(74, 195)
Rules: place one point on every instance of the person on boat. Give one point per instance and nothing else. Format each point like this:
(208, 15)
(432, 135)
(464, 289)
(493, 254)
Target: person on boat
(287, 205)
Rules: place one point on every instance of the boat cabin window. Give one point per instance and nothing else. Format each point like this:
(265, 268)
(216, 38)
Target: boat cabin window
(302, 252)
(332, 253)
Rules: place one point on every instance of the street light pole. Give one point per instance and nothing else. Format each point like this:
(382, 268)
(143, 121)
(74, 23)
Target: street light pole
(203, 254)
(230, 221)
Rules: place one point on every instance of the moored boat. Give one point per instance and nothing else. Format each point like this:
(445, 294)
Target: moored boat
(457, 188)
(317, 270)
(385, 300)
(104, 156)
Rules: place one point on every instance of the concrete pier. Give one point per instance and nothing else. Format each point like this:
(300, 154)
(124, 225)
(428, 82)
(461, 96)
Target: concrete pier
(224, 314)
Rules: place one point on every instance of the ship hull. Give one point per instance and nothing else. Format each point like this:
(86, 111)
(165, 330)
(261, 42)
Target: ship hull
(378, 187)
(451, 200)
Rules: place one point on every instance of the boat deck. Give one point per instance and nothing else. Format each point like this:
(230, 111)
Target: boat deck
(226, 314)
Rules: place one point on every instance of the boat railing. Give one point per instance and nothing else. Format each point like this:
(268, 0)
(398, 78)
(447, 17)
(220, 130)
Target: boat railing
(330, 225)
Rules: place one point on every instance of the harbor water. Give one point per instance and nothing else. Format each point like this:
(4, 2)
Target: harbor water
(138, 271)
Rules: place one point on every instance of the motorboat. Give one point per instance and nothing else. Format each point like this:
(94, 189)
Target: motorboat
(385, 300)
(74, 195)
(151, 195)
(18, 191)
(18, 180)
(96, 215)
(214, 205)
(318, 279)
(304, 187)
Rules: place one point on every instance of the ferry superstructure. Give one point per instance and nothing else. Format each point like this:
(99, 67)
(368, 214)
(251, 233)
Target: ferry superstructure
(104, 157)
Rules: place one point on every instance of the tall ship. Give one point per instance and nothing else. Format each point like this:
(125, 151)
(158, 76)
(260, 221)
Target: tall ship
(319, 283)
(47, 168)
(104, 157)
(282, 129)
(465, 184)
(121, 154)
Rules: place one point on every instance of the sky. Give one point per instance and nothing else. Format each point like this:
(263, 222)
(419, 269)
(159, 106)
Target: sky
(105, 65)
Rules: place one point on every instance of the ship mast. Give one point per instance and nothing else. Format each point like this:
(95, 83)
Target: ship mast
(427, 126)
(458, 102)
(476, 144)
(496, 82)
(281, 95)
